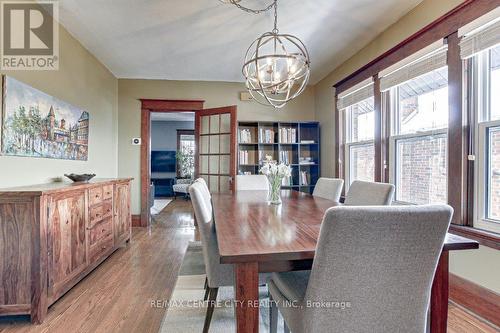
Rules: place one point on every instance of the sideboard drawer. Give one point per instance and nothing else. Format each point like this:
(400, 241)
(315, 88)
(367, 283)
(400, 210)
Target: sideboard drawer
(95, 195)
(96, 214)
(101, 247)
(107, 208)
(100, 231)
(107, 192)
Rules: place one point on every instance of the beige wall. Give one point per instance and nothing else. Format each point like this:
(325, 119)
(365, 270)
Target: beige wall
(214, 93)
(83, 82)
(479, 266)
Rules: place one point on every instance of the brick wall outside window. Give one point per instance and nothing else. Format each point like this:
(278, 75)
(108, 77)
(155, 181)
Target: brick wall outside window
(422, 173)
(362, 163)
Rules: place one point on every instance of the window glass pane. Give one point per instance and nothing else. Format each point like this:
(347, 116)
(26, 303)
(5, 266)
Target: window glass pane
(422, 103)
(421, 171)
(493, 174)
(495, 83)
(361, 163)
(361, 120)
(186, 144)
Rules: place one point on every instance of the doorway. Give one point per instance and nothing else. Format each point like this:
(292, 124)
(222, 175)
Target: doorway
(172, 157)
(151, 107)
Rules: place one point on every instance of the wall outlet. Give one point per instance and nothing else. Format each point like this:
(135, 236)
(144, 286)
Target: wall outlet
(136, 141)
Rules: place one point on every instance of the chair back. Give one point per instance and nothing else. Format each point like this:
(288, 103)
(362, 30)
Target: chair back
(329, 188)
(251, 182)
(369, 194)
(204, 184)
(217, 274)
(382, 261)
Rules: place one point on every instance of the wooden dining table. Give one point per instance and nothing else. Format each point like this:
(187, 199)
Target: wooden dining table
(256, 236)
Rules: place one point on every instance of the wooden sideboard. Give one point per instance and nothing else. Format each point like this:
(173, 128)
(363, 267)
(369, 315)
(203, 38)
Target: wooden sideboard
(53, 235)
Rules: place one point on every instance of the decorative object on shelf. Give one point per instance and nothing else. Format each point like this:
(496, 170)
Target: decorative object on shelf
(276, 66)
(38, 125)
(80, 178)
(275, 174)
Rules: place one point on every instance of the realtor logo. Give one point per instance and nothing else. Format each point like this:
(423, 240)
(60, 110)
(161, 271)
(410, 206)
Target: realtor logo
(29, 35)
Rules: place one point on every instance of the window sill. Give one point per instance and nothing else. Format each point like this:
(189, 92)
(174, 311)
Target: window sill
(484, 238)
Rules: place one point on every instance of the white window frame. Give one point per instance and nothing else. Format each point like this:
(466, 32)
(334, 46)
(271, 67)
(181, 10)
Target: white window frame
(480, 205)
(347, 155)
(393, 165)
(348, 144)
(393, 138)
(480, 96)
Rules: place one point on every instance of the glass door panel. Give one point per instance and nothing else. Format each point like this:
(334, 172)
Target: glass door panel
(216, 133)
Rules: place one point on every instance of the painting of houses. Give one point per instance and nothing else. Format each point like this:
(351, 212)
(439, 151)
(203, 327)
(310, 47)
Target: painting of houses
(38, 125)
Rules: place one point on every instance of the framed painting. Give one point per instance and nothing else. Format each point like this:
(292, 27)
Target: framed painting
(35, 124)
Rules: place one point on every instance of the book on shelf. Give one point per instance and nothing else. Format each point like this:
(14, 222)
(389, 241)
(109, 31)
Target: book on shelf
(306, 161)
(243, 157)
(266, 135)
(287, 181)
(286, 156)
(245, 135)
(307, 141)
(288, 135)
(305, 178)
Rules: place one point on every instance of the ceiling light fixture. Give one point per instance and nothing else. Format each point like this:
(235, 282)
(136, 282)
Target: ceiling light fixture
(277, 66)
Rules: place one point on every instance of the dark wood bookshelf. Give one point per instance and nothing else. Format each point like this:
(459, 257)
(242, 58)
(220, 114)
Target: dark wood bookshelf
(284, 141)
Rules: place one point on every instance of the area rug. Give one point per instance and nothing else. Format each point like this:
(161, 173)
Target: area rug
(159, 205)
(186, 309)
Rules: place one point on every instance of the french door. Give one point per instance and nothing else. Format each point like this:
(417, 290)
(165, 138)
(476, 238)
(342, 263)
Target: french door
(216, 147)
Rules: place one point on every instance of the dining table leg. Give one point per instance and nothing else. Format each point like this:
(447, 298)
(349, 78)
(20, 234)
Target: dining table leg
(439, 296)
(246, 286)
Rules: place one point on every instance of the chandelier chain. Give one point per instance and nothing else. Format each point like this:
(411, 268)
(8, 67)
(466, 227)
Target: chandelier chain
(253, 11)
(275, 30)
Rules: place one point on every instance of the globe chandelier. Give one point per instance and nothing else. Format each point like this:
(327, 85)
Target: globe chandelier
(276, 66)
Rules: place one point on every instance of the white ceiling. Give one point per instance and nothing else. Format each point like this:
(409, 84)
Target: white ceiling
(172, 116)
(207, 40)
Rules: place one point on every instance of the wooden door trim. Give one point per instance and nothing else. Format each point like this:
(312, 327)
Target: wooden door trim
(147, 107)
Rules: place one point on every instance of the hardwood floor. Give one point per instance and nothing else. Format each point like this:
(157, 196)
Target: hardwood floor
(462, 321)
(117, 296)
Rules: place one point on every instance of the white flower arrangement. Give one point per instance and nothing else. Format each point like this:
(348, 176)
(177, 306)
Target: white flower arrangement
(275, 173)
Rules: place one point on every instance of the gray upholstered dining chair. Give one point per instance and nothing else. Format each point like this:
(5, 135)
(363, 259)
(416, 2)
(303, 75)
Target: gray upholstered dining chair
(329, 188)
(363, 193)
(251, 182)
(372, 271)
(204, 183)
(218, 275)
